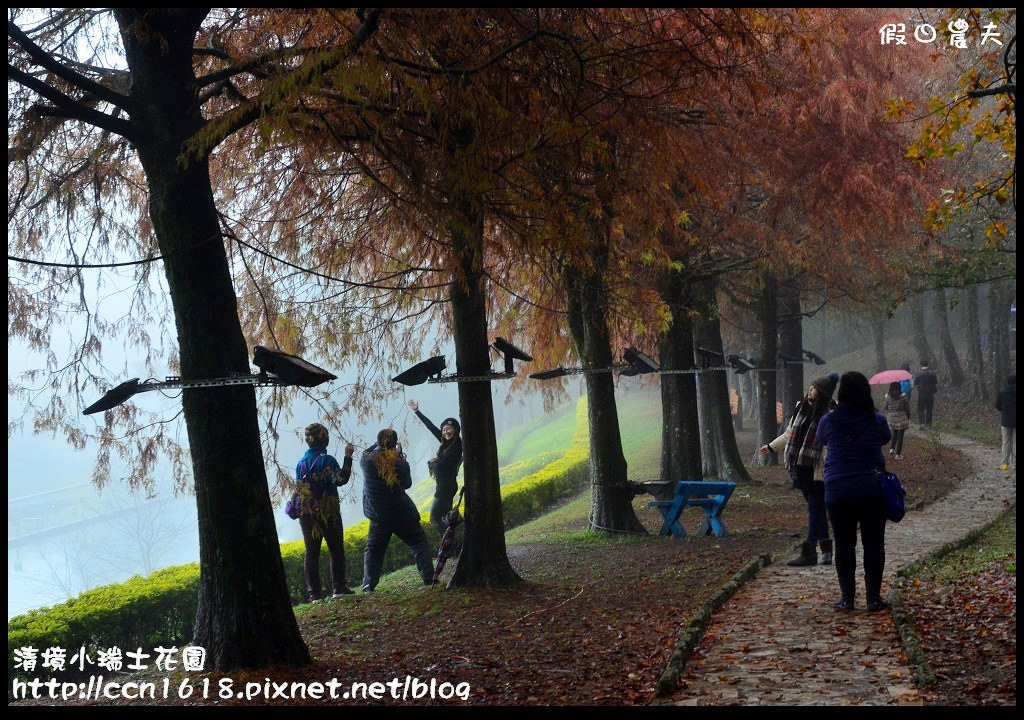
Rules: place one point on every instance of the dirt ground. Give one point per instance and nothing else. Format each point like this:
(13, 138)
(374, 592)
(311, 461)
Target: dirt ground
(594, 621)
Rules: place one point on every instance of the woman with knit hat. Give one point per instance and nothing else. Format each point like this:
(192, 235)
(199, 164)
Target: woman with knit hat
(444, 466)
(318, 477)
(802, 455)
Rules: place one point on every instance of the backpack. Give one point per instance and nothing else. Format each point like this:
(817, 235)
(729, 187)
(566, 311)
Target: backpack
(293, 508)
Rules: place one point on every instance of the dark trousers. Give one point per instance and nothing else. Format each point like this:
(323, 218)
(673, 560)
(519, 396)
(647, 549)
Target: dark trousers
(814, 496)
(925, 403)
(439, 509)
(377, 538)
(846, 516)
(323, 522)
(817, 518)
(897, 441)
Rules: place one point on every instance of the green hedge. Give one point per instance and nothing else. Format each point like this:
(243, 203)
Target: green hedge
(141, 612)
(160, 609)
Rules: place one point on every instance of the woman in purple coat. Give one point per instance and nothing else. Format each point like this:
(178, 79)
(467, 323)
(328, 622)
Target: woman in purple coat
(854, 434)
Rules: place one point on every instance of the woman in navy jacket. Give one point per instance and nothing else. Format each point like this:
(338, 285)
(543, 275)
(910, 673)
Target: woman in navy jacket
(854, 434)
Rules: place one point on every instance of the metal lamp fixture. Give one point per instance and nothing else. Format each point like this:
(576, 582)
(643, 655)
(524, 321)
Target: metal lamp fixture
(430, 370)
(276, 369)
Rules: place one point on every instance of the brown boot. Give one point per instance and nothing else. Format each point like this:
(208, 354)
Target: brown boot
(808, 556)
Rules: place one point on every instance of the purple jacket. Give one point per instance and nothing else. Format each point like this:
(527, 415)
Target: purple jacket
(854, 443)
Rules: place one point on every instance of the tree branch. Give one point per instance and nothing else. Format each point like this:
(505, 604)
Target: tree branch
(44, 60)
(1007, 89)
(71, 109)
(221, 128)
(252, 65)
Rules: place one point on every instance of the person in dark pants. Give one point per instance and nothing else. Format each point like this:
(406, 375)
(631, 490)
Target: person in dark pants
(390, 511)
(897, 413)
(1006, 404)
(803, 456)
(444, 466)
(853, 435)
(926, 383)
(319, 477)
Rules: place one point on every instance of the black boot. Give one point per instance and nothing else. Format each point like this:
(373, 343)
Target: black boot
(873, 585)
(424, 562)
(808, 556)
(848, 588)
(373, 561)
(826, 551)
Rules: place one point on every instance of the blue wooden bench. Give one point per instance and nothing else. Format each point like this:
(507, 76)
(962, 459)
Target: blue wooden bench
(711, 497)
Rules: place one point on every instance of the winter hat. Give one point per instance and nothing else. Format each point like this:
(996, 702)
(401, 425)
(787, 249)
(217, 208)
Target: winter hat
(317, 436)
(827, 384)
(453, 422)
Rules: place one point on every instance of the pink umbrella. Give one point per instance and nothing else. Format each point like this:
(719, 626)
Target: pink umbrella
(889, 376)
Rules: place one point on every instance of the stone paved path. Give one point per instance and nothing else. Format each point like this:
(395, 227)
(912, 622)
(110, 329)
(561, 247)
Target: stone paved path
(779, 642)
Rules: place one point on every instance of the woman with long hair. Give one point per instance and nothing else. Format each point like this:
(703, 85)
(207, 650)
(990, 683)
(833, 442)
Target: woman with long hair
(390, 511)
(897, 413)
(802, 455)
(854, 434)
(444, 466)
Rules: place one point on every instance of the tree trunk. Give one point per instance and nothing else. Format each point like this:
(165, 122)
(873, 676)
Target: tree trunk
(791, 343)
(975, 358)
(611, 504)
(750, 401)
(680, 433)
(244, 617)
(484, 560)
(720, 458)
(878, 333)
(999, 301)
(767, 376)
(924, 349)
(956, 371)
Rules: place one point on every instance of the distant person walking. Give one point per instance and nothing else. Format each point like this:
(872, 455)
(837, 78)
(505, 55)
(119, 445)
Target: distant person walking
(1006, 404)
(390, 511)
(803, 455)
(444, 466)
(897, 413)
(319, 476)
(907, 386)
(853, 435)
(927, 384)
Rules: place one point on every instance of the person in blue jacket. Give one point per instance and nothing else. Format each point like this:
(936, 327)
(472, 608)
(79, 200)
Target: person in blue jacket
(390, 510)
(907, 386)
(318, 476)
(854, 434)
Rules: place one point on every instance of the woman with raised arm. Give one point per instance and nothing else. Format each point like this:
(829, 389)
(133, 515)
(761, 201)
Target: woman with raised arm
(803, 460)
(444, 466)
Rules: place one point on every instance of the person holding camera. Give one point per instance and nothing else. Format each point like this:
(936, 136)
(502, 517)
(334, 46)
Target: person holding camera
(444, 466)
(319, 476)
(390, 510)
